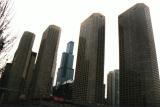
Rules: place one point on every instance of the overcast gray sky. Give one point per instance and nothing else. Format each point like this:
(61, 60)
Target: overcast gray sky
(37, 15)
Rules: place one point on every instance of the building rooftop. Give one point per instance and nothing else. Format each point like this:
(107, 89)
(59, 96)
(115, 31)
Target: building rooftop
(138, 5)
(92, 16)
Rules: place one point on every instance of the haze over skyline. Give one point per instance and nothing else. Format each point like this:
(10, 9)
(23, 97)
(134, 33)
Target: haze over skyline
(37, 15)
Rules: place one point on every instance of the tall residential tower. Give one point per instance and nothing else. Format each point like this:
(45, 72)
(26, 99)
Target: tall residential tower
(113, 88)
(19, 66)
(139, 76)
(88, 84)
(46, 63)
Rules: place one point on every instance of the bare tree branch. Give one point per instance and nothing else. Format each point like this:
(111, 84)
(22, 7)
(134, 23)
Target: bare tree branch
(6, 39)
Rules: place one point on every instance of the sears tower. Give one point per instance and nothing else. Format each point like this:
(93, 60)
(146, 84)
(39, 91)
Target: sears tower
(65, 72)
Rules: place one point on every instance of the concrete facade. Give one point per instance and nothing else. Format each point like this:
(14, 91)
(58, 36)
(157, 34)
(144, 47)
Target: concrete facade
(46, 63)
(88, 83)
(4, 81)
(139, 75)
(65, 72)
(29, 75)
(113, 88)
(19, 66)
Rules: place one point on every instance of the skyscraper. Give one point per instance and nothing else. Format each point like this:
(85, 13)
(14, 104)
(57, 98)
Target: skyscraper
(19, 66)
(139, 74)
(4, 81)
(113, 88)
(88, 83)
(65, 72)
(29, 74)
(46, 63)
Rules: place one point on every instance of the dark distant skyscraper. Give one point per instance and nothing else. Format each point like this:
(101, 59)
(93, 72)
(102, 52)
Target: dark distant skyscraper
(113, 88)
(65, 72)
(19, 66)
(70, 47)
(46, 63)
(139, 74)
(88, 84)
